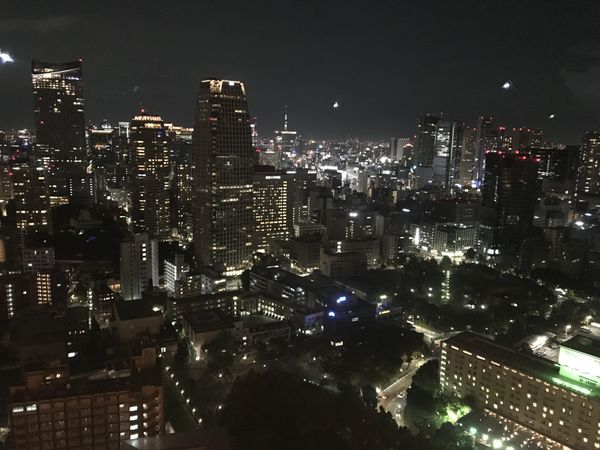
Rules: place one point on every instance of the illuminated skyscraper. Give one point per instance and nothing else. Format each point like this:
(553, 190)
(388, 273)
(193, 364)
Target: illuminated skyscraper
(448, 152)
(486, 140)
(32, 202)
(223, 157)
(588, 176)
(270, 206)
(60, 129)
(150, 180)
(467, 159)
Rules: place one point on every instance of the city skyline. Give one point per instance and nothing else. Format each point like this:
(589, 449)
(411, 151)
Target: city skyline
(311, 67)
(319, 259)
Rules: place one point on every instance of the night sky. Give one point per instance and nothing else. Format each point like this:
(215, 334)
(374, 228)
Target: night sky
(386, 62)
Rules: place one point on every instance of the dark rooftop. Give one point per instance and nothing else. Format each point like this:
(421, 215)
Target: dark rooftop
(584, 344)
(134, 309)
(209, 320)
(206, 439)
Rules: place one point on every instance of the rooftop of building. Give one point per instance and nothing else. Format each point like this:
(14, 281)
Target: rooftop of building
(257, 322)
(134, 309)
(588, 344)
(205, 439)
(529, 364)
(206, 321)
(315, 280)
(98, 383)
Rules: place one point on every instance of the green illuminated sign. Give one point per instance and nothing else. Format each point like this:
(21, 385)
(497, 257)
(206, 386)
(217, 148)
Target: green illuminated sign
(572, 386)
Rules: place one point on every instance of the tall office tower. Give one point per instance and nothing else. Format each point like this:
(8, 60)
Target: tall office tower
(509, 189)
(588, 175)
(467, 160)
(448, 152)
(182, 196)
(523, 138)
(425, 144)
(400, 149)
(180, 142)
(300, 183)
(254, 130)
(103, 159)
(486, 140)
(139, 266)
(32, 202)
(557, 167)
(270, 206)
(60, 129)
(150, 182)
(223, 157)
(50, 409)
(284, 141)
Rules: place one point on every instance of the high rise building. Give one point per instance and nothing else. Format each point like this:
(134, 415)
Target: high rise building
(588, 175)
(180, 141)
(557, 167)
(448, 153)
(486, 140)
(468, 157)
(223, 157)
(32, 199)
(523, 138)
(139, 266)
(509, 189)
(425, 144)
(150, 180)
(60, 129)
(270, 206)
(300, 183)
(284, 140)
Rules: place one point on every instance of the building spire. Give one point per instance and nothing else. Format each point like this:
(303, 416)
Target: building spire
(285, 121)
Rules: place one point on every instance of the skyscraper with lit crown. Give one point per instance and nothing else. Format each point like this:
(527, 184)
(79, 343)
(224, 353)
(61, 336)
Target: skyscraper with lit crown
(60, 129)
(223, 156)
(150, 180)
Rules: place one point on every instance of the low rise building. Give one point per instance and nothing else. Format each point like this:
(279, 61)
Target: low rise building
(343, 264)
(560, 401)
(52, 410)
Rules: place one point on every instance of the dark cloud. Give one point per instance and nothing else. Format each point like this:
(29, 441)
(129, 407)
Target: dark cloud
(51, 24)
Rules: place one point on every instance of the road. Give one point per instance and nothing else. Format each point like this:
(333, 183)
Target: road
(393, 397)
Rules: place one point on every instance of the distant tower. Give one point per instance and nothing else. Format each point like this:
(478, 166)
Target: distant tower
(588, 175)
(150, 180)
(486, 140)
(223, 157)
(284, 140)
(425, 145)
(448, 152)
(467, 160)
(510, 191)
(60, 129)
